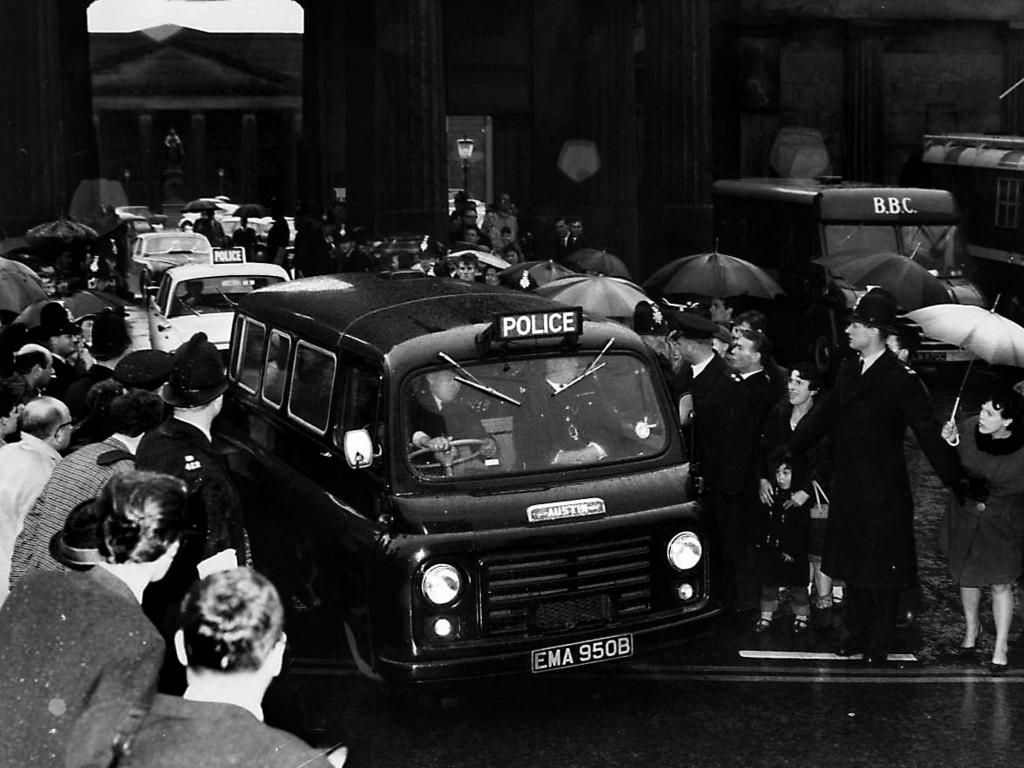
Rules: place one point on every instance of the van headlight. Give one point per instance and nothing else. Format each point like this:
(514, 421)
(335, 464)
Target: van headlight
(441, 583)
(684, 550)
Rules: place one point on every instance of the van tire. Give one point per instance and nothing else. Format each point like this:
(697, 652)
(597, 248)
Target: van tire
(823, 354)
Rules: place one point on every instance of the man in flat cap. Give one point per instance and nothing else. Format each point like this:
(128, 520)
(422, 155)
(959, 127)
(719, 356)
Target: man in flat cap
(182, 446)
(869, 540)
(720, 445)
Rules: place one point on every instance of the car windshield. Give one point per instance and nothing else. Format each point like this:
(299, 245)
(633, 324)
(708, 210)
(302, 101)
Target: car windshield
(207, 295)
(532, 415)
(176, 243)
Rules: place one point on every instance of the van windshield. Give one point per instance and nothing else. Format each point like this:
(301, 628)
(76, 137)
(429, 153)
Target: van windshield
(936, 247)
(530, 421)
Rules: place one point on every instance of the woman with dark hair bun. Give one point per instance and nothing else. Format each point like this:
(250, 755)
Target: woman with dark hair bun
(68, 639)
(982, 532)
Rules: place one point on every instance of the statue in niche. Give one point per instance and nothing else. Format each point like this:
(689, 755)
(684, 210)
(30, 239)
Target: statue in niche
(174, 150)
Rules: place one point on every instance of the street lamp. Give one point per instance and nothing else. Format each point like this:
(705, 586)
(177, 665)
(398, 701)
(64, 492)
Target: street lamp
(220, 176)
(465, 146)
(127, 175)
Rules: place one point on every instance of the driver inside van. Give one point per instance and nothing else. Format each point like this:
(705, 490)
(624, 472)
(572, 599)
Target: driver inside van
(439, 414)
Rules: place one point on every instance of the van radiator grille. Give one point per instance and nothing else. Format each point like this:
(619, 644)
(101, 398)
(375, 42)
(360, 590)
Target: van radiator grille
(566, 587)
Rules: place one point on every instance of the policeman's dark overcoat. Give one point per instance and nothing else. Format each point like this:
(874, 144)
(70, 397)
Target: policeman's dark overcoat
(869, 540)
(721, 442)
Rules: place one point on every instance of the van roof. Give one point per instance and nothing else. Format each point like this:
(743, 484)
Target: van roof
(382, 310)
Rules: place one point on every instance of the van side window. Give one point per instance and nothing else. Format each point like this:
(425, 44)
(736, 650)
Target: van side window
(253, 342)
(275, 372)
(361, 404)
(309, 400)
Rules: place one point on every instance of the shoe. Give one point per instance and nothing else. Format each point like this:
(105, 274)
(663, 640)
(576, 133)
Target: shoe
(997, 669)
(762, 624)
(800, 624)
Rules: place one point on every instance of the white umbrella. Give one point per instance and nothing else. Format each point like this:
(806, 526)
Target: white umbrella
(485, 258)
(995, 339)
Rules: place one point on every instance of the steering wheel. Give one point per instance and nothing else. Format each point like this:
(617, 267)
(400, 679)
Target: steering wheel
(475, 444)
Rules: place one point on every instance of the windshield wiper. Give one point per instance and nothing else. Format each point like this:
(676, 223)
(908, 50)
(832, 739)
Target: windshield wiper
(470, 380)
(594, 366)
(224, 296)
(191, 309)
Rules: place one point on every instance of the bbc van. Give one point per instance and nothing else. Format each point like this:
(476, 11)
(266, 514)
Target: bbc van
(795, 229)
(550, 528)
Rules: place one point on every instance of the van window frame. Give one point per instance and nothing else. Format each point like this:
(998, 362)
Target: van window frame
(285, 389)
(300, 343)
(239, 342)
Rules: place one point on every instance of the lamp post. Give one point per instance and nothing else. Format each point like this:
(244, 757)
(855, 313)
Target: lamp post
(126, 174)
(220, 177)
(465, 146)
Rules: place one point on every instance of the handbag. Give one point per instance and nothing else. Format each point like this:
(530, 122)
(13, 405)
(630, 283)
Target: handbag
(820, 509)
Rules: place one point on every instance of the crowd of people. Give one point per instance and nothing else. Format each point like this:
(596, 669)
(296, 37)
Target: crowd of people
(124, 563)
(810, 487)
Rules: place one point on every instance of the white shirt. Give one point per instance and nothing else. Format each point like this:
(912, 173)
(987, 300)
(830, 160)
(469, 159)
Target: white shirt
(867, 362)
(698, 368)
(25, 467)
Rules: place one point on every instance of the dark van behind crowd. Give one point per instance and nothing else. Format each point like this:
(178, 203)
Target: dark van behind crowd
(479, 481)
(809, 235)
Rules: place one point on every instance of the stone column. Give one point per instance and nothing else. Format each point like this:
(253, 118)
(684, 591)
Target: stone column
(409, 183)
(609, 98)
(676, 172)
(863, 119)
(199, 174)
(150, 180)
(245, 187)
(1012, 105)
(47, 142)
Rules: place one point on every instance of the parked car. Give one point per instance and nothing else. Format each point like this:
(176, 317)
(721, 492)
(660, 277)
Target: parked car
(156, 220)
(156, 252)
(203, 297)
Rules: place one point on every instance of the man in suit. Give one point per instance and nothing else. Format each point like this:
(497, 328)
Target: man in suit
(720, 447)
(869, 541)
(232, 642)
(439, 414)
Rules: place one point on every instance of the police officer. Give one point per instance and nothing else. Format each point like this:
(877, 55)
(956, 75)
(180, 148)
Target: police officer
(869, 541)
(182, 446)
(720, 445)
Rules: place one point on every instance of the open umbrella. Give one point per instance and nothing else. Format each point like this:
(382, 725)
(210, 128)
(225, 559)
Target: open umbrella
(994, 338)
(598, 262)
(601, 295)
(250, 211)
(485, 258)
(712, 274)
(19, 286)
(13, 245)
(62, 230)
(89, 302)
(912, 285)
(530, 274)
(198, 206)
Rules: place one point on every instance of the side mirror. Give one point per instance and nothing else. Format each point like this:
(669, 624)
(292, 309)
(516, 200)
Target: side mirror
(358, 448)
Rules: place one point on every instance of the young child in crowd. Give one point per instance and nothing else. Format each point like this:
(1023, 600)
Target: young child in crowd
(782, 560)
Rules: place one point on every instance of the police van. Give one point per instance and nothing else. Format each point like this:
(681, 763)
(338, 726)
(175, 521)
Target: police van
(472, 480)
(807, 233)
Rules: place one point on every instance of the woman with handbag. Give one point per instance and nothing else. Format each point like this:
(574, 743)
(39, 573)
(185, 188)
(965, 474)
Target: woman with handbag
(982, 532)
(810, 475)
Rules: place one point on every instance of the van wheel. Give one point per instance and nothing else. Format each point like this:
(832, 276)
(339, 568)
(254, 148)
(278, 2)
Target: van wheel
(823, 354)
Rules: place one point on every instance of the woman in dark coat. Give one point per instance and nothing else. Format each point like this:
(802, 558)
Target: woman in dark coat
(803, 388)
(983, 536)
(71, 639)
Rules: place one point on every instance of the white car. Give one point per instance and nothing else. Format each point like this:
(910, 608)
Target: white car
(156, 252)
(202, 297)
